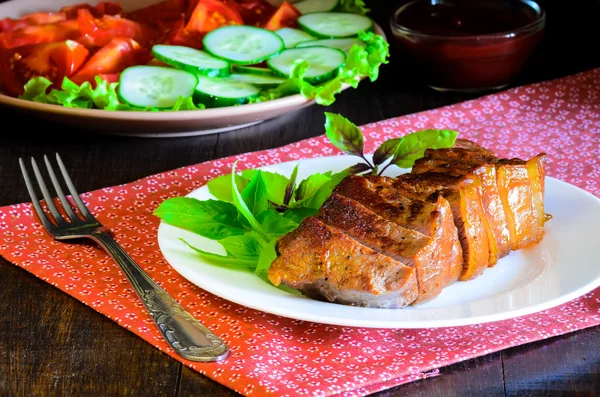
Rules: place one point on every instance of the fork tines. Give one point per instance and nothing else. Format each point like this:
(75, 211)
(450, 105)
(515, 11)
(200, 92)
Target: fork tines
(58, 219)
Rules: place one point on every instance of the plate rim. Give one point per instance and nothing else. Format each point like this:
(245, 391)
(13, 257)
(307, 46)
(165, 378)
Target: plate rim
(390, 324)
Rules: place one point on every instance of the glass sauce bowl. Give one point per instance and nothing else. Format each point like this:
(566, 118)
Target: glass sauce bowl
(469, 45)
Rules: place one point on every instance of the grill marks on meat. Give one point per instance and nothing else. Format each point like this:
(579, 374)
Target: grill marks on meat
(390, 242)
(326, 264)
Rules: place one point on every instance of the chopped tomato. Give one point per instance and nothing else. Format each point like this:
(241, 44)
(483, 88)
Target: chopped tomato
(33, 19)
(179, 35)
(51, 60)
(115, 56)
(98, 11)
(285, 16)
(209, 15)
(253, 12)
(159, 13)
(47, 33)
(100, 31)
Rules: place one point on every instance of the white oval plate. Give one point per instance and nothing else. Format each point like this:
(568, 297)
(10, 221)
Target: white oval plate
(563, 266)
(146, 124)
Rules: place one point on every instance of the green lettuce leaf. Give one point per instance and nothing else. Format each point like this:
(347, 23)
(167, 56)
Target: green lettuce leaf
(352, 6)
(360, 63)
(103, 96)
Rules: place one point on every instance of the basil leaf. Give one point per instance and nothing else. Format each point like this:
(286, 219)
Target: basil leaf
(240, 204)
(358, 168)
(413, 146)
(309, 187)
(343, 134)
(274, 224)
(221, 259)
(386, 150)
(255, 194)
(209, 218)
(299, 214)
(267, 255)
(246, 246)
(220, 187)
(275, 183)
(291, 187)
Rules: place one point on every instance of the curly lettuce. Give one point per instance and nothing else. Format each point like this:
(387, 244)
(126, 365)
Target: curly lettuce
(352, 6)
(360, 63)
(86, 96)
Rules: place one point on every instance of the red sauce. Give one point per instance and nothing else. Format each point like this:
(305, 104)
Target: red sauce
(469, 45)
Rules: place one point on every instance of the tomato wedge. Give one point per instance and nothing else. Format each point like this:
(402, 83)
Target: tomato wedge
(177, 34)
(100, 31)
(115, 56)
(159, 13)
(51, 60)
(47, 33)
(33, 19)
(285, 16)
(253, 12)
(209, 15)
(98, 11)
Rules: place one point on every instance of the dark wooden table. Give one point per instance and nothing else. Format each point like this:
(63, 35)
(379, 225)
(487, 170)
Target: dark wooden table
(52, 345)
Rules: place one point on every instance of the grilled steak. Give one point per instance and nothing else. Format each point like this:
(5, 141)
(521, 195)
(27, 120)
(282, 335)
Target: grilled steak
(497, 226)
(326, 264)
(402, 244)
(439, 262)
(463, 195)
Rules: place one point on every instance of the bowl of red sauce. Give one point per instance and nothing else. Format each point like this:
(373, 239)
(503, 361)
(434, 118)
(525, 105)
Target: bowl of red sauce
(469, 45)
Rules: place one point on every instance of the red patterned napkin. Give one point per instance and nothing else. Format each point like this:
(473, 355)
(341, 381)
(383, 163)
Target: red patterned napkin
(277, 356)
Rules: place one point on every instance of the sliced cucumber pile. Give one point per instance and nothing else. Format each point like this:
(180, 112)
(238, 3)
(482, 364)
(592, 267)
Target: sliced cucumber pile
(227, 71)
(341, 44)
(155, 86)
(242, 45)
(323, 62)
(218, 91)
(191, 60)
(257, 79)
(332, 25)
(308, 6)
(291, 37)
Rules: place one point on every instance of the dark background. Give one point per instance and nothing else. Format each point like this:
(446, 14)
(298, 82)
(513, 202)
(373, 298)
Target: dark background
(50, 344)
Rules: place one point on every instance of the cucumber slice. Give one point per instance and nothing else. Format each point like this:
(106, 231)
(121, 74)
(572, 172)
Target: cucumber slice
(191, 60)
(323, 62)
(308, 6)
(155, 86)
(218, 92)
(332, 25)
(341, 44)
(292, 36)
(259, 80)
(242, 45)
(252, 70)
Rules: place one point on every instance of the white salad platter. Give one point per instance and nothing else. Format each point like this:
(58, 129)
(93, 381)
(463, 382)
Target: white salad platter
(146, 124)
(562, 267)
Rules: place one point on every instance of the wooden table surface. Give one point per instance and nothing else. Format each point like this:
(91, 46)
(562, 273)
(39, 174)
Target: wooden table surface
(52, 345)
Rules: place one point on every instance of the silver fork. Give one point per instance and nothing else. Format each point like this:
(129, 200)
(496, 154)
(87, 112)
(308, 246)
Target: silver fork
(183, 332)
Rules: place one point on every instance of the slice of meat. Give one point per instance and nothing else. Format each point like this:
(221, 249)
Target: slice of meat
(326, 264)
(373, 211)
(520, 186)
(463, 194)
(497, 227)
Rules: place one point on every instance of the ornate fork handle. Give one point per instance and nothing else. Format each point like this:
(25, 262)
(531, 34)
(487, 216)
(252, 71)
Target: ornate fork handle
(184, 333)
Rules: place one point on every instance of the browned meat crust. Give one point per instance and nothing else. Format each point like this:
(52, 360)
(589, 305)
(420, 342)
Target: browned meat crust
(326, 264)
